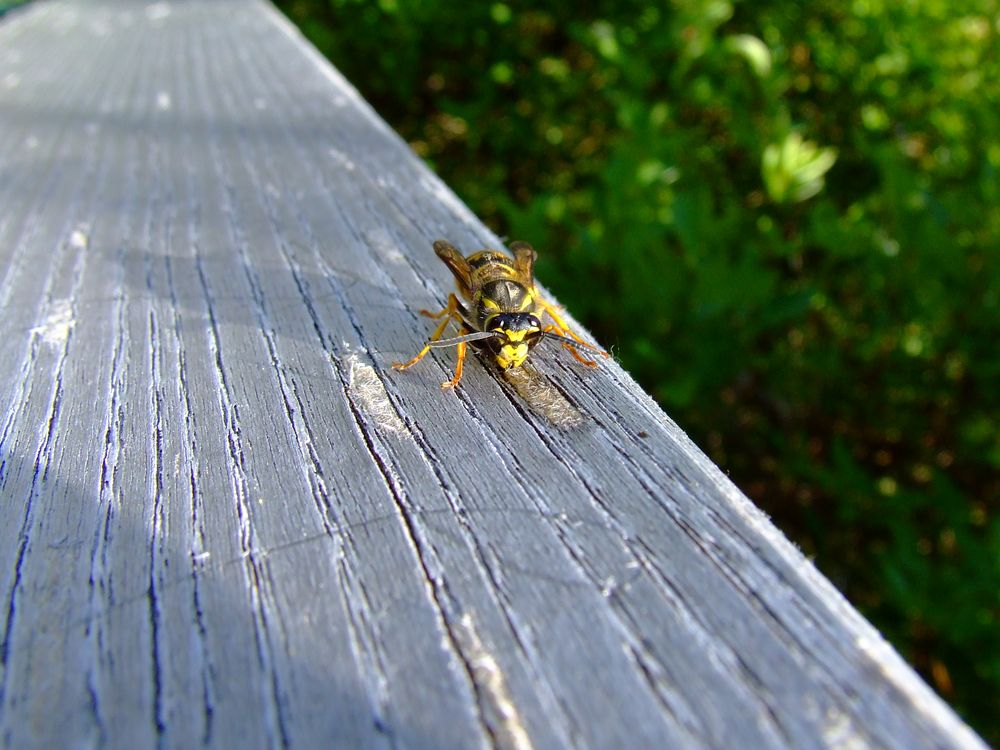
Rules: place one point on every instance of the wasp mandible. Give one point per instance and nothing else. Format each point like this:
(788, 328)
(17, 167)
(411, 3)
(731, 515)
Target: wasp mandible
(500, 310)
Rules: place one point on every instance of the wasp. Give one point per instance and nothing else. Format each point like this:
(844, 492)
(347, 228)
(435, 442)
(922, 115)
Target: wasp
(499, 311)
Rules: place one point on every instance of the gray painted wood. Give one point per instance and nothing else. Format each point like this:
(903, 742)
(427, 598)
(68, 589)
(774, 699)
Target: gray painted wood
(227, 522)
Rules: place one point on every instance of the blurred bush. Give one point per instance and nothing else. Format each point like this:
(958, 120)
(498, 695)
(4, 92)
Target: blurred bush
(6, 5)
(784, 217)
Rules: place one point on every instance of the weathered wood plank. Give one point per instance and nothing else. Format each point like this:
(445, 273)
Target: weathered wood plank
(228, 522)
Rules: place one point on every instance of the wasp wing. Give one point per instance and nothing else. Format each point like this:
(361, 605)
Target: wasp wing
(457, 264)
(524, 262)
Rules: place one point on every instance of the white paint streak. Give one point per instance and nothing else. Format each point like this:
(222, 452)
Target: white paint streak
(839, 733)
(382, 243)
(80, 237)
(367, 391)
(158, 11)
(509, 731)
(341, 158)
(54, 330)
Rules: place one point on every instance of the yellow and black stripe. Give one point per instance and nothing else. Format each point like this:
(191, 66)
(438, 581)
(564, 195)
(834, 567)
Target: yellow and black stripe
(503, 313)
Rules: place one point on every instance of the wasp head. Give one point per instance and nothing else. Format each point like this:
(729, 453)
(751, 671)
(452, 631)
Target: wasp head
(514, 335)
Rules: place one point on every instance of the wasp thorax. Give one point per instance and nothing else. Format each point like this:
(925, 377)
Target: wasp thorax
(518, 333)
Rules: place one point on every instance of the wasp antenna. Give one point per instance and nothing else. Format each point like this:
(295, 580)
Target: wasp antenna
(477, 336)
(565, 340)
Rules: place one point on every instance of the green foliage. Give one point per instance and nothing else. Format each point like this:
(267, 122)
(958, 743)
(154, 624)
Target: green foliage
(6, 5)
(783, 216)
(793, 169)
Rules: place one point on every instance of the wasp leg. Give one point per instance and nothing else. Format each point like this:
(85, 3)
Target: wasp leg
(460, 350)
(562, 329)
(449, 312)
(440, 313)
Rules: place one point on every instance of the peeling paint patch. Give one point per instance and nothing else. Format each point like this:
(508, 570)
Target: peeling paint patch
(366, 390)
(56, 327)
(502, 715)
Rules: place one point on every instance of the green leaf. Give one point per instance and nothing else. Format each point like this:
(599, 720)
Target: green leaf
(753, 50)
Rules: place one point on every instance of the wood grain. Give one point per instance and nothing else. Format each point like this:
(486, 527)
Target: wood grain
(227, 522)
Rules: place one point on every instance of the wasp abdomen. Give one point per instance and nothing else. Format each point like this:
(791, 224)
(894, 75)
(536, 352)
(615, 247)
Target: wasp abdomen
(487, 258)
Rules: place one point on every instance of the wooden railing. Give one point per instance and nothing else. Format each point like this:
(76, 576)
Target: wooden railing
(227, 521)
